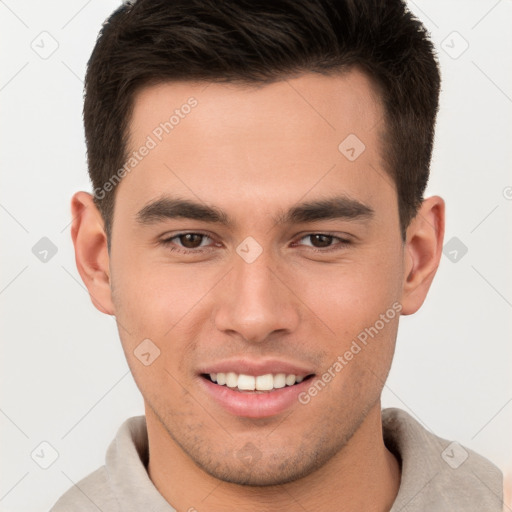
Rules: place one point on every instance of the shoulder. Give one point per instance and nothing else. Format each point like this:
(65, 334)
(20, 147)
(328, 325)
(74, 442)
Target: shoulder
(90, 494)
(438, 474)
(123, 479)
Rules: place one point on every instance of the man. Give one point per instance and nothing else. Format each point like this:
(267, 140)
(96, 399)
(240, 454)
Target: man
(257, 228)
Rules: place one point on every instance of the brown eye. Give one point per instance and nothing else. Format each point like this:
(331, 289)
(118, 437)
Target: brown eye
(189, 243)
(191, 240)
(321, 240)
(324, 242)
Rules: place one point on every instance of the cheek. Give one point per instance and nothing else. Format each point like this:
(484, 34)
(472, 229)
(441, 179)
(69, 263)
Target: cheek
(159, 302)
(359, 302)
(352, 295)
(145, 292)
(151, 306)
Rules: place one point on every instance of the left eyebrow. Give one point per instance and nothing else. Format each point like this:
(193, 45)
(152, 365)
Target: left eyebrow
(339, 207)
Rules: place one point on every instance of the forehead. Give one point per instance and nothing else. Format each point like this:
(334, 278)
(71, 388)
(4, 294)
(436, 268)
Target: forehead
(344, 101)
(276, 142)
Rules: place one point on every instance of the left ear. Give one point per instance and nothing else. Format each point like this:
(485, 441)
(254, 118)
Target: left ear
(423, 249)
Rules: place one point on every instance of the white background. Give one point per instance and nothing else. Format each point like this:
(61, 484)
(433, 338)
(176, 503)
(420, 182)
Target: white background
(64, 379)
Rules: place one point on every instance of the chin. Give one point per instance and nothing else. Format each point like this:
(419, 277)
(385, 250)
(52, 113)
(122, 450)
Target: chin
(262, 475)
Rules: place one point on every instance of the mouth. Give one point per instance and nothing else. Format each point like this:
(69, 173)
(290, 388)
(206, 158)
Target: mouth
(255, 384)
(268, 394)
(255, 388)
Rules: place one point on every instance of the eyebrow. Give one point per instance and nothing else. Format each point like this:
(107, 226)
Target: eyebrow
(173, 208)
(339, 207)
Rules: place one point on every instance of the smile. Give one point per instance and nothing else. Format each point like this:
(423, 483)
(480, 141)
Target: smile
(262, 383)
(254, 396)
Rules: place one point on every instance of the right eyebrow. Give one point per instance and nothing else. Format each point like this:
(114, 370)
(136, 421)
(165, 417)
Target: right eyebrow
(172, 208)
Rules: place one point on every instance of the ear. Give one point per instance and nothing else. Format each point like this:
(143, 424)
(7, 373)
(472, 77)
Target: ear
(423, 249)
(91, 250)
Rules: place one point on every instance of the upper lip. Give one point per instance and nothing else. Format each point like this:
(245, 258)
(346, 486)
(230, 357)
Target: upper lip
(256, 367)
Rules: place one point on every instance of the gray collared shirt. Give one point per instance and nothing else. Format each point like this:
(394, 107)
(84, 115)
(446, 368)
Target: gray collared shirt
(437, 475)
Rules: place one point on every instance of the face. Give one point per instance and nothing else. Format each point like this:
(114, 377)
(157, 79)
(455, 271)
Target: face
(247, 243)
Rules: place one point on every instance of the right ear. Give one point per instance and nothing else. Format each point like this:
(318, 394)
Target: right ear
(91, 250)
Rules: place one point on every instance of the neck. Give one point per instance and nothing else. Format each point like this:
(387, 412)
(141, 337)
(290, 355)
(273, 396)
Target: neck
(364, 475)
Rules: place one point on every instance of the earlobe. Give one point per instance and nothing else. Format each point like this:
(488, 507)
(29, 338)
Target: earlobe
(423, 251)
(91, 250)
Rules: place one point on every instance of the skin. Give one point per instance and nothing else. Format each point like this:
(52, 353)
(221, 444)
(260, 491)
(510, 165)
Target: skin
(254, 152)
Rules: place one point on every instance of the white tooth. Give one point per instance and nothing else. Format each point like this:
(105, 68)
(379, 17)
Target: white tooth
(290, 380)
(279, 380)
(246, 382)
(231, 380)
(221, 379)
(264, 382)
(299, 379)
(213, 376)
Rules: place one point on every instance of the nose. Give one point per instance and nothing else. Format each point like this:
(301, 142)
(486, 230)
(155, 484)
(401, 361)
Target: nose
(256, 301)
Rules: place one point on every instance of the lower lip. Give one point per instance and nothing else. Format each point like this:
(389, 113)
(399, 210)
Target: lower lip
(254, 405)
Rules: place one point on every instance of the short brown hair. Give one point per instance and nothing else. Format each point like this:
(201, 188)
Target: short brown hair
(261, 41)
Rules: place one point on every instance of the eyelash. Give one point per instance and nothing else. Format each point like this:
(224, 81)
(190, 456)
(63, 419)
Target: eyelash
(342, 242)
